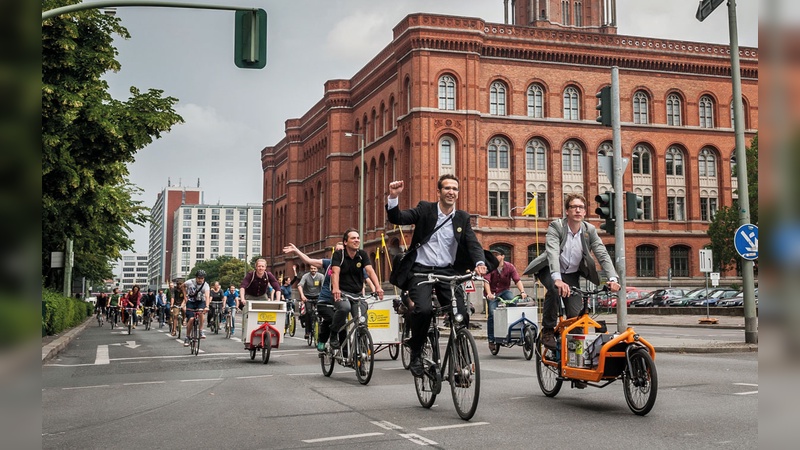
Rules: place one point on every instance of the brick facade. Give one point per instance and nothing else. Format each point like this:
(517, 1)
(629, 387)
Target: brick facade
(311, 176)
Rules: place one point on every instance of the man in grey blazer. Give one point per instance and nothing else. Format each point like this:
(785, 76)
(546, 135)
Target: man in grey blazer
(443, 243)
(565, 260)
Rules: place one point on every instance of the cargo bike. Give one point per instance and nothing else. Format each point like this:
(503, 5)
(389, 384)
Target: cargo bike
(587, 355)
(519, 317)
(263, 324)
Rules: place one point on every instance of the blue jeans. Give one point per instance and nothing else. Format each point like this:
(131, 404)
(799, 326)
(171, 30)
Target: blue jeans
(493, 304)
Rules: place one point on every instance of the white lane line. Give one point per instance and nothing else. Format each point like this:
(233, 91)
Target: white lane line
(517, 398)
(254, 376)
(394, 368)
(201, 379)
(175, 356)
(417, 439)
(387, 425)
(746, 384)
(102, 355)
(339, 438)
(745, 393)
(302, 374)
(67, 365)
(236, 339)
(460, 425)
(143, 382)
(85, 387)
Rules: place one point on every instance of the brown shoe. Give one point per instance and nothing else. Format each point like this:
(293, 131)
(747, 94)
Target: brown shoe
(492, 347)
(548, 339)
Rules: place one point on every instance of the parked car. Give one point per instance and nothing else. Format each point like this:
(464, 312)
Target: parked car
(736, 300)
(688, 297)
(632, 294)
(646, 300)
(662, 295)
(714, 297)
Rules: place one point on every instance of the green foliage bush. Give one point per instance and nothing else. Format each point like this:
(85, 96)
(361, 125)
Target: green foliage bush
(60, 313)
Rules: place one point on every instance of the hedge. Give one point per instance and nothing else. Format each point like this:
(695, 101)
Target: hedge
(60, 313)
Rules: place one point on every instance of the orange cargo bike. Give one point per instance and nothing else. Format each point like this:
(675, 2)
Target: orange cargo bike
(587, 355)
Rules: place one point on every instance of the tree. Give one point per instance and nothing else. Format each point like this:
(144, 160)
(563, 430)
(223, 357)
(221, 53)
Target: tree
(726, 221)
(232, 272)
(88, 138)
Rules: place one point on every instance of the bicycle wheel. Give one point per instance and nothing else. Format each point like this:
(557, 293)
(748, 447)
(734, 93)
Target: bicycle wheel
(405, 352)
(216, 323)
(112, 320)
(547, 374)
(147, 322)
(364, 356)
(465, 374)
(130, 322)
(641, 383)
(192, 341)
(327, 361)
(313, 336)
(265, 351)
(528, 342)
(179, 327)
(292, 325)
(430, 383)
(252, 353)
(228, 324)
(100, 319)
(394, 351)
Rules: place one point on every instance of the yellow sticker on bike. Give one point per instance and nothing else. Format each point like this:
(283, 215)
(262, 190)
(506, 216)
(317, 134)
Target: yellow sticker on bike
(266, 316)
(378, 318)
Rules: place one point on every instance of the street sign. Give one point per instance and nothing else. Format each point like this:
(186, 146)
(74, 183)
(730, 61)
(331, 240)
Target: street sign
(746, 241)
(705, 8)
(706, 259)
(56, 260)
(469, 287)
(714, 279)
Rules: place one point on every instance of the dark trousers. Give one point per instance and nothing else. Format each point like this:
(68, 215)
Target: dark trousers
(551, 299)
(344, 307)
(311, 309)
(420, 316)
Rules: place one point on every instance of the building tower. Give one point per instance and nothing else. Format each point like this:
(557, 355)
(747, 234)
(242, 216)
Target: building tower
(587, 15)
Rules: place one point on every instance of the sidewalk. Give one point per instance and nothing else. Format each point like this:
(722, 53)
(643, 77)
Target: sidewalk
(668, 343)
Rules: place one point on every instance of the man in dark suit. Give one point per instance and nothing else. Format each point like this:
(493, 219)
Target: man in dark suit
(565, 259)
(436, 253)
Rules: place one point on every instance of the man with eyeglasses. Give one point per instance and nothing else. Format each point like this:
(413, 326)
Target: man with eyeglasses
(567, 258)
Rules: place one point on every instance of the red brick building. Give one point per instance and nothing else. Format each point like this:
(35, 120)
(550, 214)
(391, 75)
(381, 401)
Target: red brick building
(510, 110)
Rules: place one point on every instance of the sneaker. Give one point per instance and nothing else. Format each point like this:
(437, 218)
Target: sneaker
(320, 346)
(202, 335)
(334, 341)
(306, 336)
(186, 342)
(415, 366)
(548, 339)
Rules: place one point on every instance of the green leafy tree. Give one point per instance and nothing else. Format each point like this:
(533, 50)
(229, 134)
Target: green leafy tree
(232, 271)
(211, 266)
(88, 138)
(726, 221)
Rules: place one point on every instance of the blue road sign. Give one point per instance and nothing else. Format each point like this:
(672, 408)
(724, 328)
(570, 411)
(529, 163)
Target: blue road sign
(746, 241)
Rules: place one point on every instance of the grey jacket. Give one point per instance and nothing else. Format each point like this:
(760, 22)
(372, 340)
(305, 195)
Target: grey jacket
(555, 240)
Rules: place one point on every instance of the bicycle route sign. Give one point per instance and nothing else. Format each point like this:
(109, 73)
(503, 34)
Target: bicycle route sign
(746, 241)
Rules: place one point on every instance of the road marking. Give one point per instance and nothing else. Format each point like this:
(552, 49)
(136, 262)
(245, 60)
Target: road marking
(339, 438)
(201, 379)
(67, 365)
(253, 376)
(746, 384)
(745, 393)
(102, 355)
(459, 425)
(85, 387)
(143, 382)
(417, 439)
(517, 398)
(302, 374)
(394, 368)
(387, 425)
(236, 339)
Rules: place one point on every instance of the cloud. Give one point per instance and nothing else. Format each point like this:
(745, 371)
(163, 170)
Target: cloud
(358, 37)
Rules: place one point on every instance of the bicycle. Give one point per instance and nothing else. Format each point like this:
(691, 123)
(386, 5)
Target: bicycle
(356, 350)
(460, 365)
(162, 313)
(194, 331)
(131, 318)
(311, 314)
(214, 319)
(290, 327)
(113, 316)
(148, 317)
(99, 316)
(586, 359)
(227, 317)
(176, 321)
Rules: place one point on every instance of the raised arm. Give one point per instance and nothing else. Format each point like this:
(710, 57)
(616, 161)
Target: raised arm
(291, 248)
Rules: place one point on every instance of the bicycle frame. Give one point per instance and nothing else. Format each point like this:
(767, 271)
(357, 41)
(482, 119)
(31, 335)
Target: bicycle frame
(355, 322)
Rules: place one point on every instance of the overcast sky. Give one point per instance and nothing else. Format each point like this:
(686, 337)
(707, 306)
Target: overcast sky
(231, 114)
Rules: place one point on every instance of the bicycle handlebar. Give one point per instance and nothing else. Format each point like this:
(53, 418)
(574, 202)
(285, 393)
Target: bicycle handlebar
(358, 298)
(455, 279)
(586, 293)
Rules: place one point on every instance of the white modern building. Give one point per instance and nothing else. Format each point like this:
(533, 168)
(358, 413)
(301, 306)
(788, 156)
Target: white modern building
(132, 270)
(203, 232)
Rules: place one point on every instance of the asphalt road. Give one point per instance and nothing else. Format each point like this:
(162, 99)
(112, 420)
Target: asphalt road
(111, 390)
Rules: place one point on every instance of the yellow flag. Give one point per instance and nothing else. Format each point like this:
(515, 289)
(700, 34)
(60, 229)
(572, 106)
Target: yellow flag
(377, 253)
(383, 241)
(530, 210)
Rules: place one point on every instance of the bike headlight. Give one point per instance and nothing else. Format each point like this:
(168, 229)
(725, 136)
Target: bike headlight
(362, 319)
(459, 318)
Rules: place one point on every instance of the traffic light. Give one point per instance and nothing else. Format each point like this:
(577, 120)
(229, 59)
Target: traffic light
(250, 39)
(604, 106)
(633, 206)
(606, 210)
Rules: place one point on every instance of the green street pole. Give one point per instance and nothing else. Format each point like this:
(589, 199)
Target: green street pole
(161, 4)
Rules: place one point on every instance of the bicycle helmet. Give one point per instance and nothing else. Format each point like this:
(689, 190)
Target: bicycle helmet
(200, 274)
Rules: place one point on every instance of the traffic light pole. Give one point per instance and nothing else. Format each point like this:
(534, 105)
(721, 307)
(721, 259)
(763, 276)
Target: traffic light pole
(113, 3)
(619, 232)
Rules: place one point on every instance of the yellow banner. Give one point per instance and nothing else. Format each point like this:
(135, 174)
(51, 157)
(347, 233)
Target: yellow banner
(266, 316)
(530, 210)
(378, 318)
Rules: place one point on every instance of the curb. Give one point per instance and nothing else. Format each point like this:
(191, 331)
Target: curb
(50, 350)
(742, 348)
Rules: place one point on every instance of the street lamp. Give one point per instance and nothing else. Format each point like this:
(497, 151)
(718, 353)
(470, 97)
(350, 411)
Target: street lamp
(360, 188)
(511, 216)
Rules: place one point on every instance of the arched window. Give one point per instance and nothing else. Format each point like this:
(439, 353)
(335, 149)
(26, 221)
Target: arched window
(447, 93)
(571, 100)
(679, 260)
(641, 108)
(535, 155)
(645, 261)
(706, 112)
(674, 110)
(565, 12)
(674, 161)
(641, 160)
(392, 113)
(507, 250)
(446, 156)
(578, 14)
(535, 101)
(497, 99)
(407, 88)
(707, 163)
(498, 154)
(571, 157)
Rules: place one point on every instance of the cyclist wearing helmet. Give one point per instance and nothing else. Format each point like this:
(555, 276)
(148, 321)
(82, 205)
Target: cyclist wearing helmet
(195, 297)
